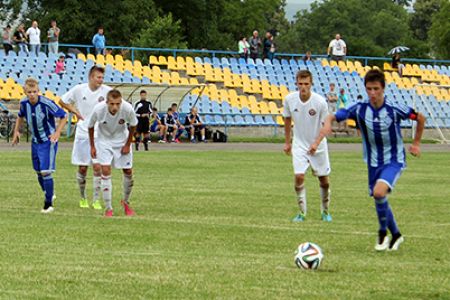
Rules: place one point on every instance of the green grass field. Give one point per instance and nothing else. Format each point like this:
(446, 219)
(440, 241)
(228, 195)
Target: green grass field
(216, 224)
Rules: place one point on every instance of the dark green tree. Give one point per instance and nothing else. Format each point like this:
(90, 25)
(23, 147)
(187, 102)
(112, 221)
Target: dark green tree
(439, 34)
(421, 18)
(369, 28)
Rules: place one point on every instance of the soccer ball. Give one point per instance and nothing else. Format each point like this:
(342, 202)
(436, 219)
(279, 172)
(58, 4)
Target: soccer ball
(308, 256)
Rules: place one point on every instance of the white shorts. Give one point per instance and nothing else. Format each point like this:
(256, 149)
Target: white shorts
(109, 155)
(319, 162)
(81, 153)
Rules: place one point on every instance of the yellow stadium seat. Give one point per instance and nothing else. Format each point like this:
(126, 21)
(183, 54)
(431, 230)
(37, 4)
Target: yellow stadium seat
(162, 61)
(193, 81)
(91, 57)
(110, 59)
(81, 56)
(181, 63)
(118, 57)
(280, 120)
(153, 60)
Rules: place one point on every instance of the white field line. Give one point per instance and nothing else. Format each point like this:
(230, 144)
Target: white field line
(296, 227)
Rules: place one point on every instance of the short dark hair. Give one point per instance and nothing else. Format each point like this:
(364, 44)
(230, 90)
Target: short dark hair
(114, 94)
(96, 69)
(143, 92)
(303, 74)
(375, 75)
(169, 109)
(154, 109)
(174, 104)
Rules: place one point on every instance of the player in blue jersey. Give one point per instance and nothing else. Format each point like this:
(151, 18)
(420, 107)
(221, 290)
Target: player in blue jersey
(176, 116)
(40, 114)
(379, 121)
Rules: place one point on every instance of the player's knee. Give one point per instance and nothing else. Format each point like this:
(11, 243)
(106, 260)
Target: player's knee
(97, 170)
(46, 175)
(325, 185)
(106, 170)
(128, 172)
(379, 192)
(299, 179)
(82, 170)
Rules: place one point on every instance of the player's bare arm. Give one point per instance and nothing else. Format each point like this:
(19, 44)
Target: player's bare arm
(324, 131)
(72, 109)
(92, 143)
(127, 146)
(16, 135)
(287, 136)
(414, 149)
(55, 136)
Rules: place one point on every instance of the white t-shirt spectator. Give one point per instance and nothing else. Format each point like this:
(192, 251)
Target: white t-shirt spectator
(338, 47)
(34, 35)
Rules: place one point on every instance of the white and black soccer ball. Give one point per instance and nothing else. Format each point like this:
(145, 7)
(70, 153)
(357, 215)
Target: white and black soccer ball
(308, 256)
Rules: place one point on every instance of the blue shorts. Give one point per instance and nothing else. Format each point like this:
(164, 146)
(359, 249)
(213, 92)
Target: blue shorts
(388, 174)
(43, 156)
(154, 127)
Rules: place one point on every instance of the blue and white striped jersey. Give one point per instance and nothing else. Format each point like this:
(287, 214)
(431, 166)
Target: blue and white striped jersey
(41, 117)
(380, 129)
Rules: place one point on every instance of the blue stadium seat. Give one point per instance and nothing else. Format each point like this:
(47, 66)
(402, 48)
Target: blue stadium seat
(229, 120)
(249, 120)
(239, 120)
(219, 120)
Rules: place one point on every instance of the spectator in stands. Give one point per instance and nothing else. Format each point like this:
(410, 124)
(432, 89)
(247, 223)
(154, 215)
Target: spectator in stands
(194, 125)
(34, 37)
(176, 116)
(170, 125)
(342, 99)
(243, 48)
(268, 46)
(60, 66)
(396, 63)
(156, 125)
(99, 41)
(6, 37)
(255, 44)
(20, 38)
(337, 49)
(332, 99)
(53, 37)
(307, 56)
(342, 103)
(143, 110)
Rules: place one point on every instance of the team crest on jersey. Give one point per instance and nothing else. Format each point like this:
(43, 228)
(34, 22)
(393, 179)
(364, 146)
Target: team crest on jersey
(101, 99)
(312, 112)
(121, 121)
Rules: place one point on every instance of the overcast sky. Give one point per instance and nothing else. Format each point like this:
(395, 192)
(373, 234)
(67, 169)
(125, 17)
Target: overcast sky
(292, 6)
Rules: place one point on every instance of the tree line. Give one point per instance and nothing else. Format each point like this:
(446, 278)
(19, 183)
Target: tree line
(369, 27)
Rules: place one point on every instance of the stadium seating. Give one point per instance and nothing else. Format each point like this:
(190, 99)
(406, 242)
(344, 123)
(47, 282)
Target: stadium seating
(238, 92)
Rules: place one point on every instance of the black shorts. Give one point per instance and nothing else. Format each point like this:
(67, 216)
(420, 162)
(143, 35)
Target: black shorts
(170, 129)
(143, 127)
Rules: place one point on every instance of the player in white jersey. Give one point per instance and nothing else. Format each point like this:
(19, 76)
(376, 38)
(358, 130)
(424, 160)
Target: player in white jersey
(307, 110)
(112, 146)
(80, 100)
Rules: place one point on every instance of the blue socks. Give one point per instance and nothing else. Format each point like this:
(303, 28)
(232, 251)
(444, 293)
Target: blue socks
(382, 207)
(41, 181)
(48, 188)
(385, 216)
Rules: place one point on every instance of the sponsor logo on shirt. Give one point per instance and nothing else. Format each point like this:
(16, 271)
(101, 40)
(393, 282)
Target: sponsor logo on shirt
(84, 98)
(101, 99)
(312, 112)
(296, 110)
(121, 121)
